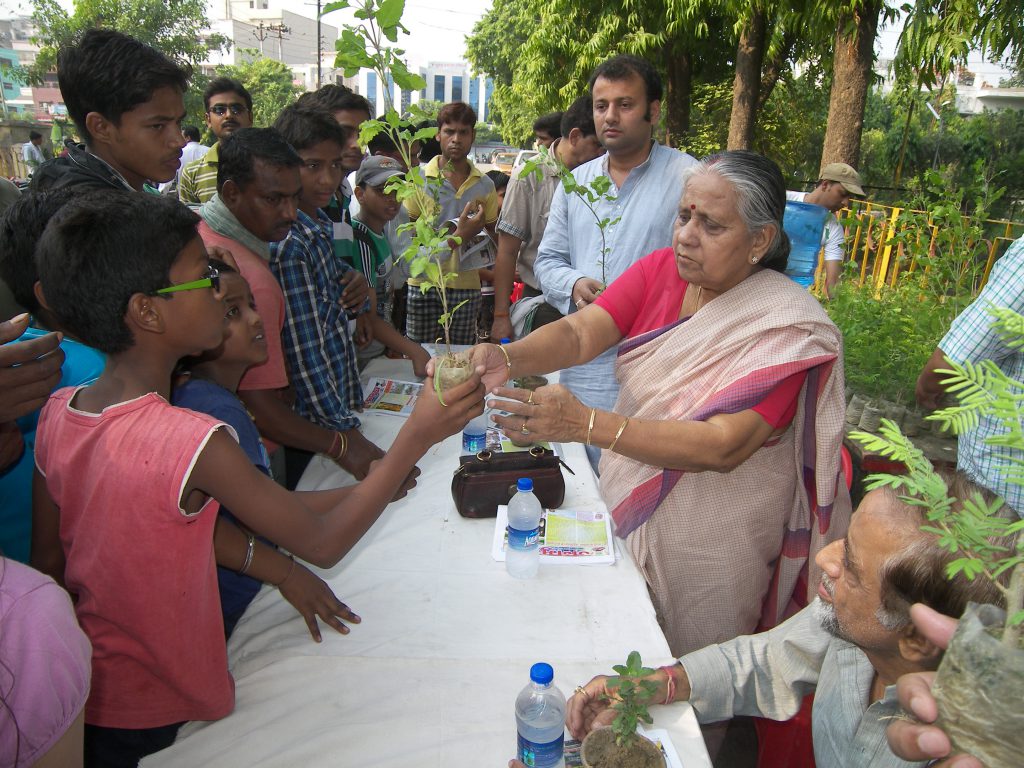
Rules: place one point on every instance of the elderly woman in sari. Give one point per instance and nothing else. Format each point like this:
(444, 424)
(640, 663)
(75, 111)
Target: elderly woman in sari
(721, 458)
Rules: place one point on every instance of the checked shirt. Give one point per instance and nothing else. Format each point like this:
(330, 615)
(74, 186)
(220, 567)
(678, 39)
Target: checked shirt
(318, 344)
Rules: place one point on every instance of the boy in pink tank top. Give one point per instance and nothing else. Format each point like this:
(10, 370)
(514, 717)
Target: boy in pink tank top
(127, 486)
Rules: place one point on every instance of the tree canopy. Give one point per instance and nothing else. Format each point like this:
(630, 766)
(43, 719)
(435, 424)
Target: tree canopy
(176, 27)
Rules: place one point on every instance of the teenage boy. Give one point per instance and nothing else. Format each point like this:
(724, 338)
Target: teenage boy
(468, 197)
(318, 344)
(258, 191)
(350, 110)
(228, 109)
(126, 100)
(376, 209)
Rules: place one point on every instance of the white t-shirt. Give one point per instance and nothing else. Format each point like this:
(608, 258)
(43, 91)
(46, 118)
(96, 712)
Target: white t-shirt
(832, 237)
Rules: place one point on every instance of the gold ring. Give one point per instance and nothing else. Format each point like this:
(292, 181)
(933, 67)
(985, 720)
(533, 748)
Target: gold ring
(524, 430)
(530, 400)
(581, 691)
(579, 302)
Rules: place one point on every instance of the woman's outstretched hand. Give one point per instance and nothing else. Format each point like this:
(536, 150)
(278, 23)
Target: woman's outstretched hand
(548, 413)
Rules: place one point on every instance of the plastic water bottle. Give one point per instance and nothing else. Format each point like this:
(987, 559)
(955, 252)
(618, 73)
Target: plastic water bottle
(803, 223)
(522, 558)
(540, 720)
(474, 435)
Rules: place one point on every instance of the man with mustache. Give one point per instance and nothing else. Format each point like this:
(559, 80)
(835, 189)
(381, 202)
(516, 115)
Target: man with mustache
(126, 99)
(259, 189)
(228, 109)
(847, 648)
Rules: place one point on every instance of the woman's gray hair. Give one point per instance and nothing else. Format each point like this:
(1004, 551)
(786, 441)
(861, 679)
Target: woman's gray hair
(761, 193)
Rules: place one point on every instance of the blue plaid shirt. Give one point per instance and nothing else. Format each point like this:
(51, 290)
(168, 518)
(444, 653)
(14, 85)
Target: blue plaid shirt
(317, 343)
(971, 338)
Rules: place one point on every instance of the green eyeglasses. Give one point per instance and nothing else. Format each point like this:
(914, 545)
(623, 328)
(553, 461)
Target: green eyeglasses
(212, 280)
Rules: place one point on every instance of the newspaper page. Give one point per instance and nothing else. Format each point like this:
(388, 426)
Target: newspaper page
(391, 396)
(566, 536)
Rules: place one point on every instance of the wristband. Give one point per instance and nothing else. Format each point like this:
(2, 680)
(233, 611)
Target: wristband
(501, 314)
(670, 689)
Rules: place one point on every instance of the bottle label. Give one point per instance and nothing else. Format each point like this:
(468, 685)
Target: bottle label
(518, 539)
(534, 755)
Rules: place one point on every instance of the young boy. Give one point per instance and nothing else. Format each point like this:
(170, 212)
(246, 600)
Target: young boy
(20, 229)
(209, 386)
(126, 99)
(320, 349)
(376, 209)
(125, 485)
(464, 190)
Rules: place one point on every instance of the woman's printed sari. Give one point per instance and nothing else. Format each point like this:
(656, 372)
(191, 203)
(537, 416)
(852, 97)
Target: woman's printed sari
(725, 554)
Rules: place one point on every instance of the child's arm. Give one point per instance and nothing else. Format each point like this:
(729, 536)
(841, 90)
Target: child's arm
(224, 472)
(308, 593)
(47, 552)
(389, 336)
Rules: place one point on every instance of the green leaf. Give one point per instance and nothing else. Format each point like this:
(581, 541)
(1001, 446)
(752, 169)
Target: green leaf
(390, 13)
(335, 6)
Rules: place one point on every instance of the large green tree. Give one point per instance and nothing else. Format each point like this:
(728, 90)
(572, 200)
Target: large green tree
(542, 52)
(176, 27)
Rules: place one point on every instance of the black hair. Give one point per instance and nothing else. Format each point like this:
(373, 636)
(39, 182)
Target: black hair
(334, 98)
(239, 151)
(21, 227)
(225, 85)
(302, 127)
(623, 67)
(383, 143)
(500, 179)
(457, 113)
(33, 135)
(430, 148)
(190, 132)
(551, 124)
(102, 248)
(580, 114)
(111, 73)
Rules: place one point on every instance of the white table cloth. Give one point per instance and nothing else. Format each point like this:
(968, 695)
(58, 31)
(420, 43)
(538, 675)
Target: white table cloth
(430, 676)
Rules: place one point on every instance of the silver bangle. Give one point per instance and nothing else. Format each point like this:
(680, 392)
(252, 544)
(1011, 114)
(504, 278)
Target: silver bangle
(250, 549)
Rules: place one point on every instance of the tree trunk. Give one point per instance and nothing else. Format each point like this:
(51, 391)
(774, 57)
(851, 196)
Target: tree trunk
(851, 74)
(679, 81)
(747, 83)
(772, 70)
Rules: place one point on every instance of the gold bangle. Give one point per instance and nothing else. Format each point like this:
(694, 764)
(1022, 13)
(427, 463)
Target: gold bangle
(590, 426)
(622, 428)
(508, 360)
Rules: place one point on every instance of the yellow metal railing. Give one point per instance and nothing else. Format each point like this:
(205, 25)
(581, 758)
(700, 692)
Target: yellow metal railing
(875, 237)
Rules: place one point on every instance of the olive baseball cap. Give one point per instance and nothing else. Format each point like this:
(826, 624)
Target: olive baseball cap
(845, 175)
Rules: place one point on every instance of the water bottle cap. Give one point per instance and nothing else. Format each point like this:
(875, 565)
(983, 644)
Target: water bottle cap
(524, 484)
(542, 673)
(506, 340)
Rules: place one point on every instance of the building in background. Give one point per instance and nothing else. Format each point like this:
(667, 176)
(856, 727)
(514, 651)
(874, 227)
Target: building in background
(276, 33)
(445, 81)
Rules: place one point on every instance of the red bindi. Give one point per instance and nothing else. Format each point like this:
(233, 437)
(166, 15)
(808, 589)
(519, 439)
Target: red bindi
(693, 207)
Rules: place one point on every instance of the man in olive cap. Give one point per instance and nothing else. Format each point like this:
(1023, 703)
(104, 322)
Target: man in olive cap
(837, 183)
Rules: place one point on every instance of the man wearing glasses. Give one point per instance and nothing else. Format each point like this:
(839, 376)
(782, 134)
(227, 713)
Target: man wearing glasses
(228, 109)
